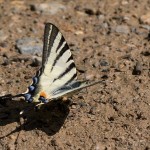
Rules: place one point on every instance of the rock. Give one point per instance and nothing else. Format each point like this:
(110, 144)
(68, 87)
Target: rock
(101, 18)
(90, 11)
(104, 63)
(145, 19)
(36, 61)
(122, 29)
(147, 27)
(3, 36)
(3, 44)
(29, 46)
(137, 69)
(73, 107)
(48, 8)
(146, 53)
(124, 2)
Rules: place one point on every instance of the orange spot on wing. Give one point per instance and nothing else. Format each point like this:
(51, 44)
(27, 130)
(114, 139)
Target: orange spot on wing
(43, 94)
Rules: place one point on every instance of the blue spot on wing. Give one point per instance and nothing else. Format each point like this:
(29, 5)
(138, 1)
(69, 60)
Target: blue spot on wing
(43, 100)
(30, 100)
(28, 97)
(31, 88)
(35, 80)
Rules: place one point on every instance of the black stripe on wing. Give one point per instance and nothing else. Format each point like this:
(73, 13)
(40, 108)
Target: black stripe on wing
(53, 35)
(45, 44)
(54, 43)
(70, 58)
(68, 69)
(71, 79)
(61, 42)
(50, 34)
(63, 50)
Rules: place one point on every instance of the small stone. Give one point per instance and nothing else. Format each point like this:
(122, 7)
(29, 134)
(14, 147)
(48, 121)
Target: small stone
(137, 69)
(73, 107)
(101, 17)
(29, 46)
(145, 19)
(124, 2)
(104, 63)
(36, 61)
(122, 29)
(12, 137)
(48, 8)
(147, 27)
(92, 111)
(90, 11)
(11, 146)
(79, 32)
(3, 36)
(3, 44)
(146, 53)
(5, 62)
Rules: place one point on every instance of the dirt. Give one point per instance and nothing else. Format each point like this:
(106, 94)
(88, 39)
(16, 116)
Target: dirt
(110, 40)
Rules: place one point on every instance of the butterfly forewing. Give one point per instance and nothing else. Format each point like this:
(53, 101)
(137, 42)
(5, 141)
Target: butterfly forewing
(57, 62)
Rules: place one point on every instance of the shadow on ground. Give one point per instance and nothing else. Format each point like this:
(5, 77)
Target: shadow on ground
(49, 118)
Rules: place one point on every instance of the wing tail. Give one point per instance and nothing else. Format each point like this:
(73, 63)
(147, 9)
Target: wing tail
(73, 87)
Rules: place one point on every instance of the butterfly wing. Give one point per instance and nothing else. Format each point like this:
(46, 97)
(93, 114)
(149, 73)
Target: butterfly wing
(57, 76)
(71, 88)
(58, 68)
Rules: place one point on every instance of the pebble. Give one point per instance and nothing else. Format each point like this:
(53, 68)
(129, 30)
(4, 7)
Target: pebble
(11, 146)
(137, 69)
(146, 53)
(104, 63)
(29, 46)
(48, 8)
(145, 19)
(73, 107)
(147, 27)
(3, 36)
(90, 11)
(124, 2)
(122, 29)
(3, 44)
(101, 18)
(36, 61)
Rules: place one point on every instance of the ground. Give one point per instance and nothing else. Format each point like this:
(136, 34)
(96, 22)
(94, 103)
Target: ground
(110, 41)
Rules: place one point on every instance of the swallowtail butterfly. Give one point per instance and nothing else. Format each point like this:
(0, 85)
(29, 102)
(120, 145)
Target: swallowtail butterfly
(57, 76)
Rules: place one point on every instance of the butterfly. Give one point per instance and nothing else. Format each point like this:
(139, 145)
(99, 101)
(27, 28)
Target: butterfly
(57, 76)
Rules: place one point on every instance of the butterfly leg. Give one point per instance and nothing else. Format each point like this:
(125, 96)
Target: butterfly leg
(43, 100)
(38, 106)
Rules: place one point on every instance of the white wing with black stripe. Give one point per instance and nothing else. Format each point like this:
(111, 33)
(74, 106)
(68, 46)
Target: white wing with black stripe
(57, 76)
(58, 65)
